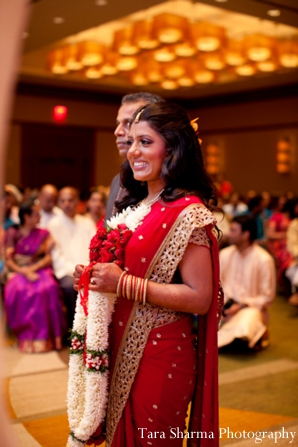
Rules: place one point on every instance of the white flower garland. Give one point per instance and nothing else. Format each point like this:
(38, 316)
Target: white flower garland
(87, 393)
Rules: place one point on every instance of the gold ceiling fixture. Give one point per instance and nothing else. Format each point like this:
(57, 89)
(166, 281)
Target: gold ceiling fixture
(170, 28)
(208, 37)
(234, 52)
(288, 53)
(172, 51)
(123, 42)
(259, 48)
(91, 54)
(246, 70)
(142, 35)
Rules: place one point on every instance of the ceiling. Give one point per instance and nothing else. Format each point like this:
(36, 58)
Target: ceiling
(80, 16)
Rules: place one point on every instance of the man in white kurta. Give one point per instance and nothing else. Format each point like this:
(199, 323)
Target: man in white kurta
(292, 246)
(72, 234)
(48, 196)
(248, 277)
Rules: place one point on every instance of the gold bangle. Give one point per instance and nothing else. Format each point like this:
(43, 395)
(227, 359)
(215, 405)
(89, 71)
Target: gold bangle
(137, 289)
(119, 285)
(124, 281)
(142, 282)
(133, 287)
(128, 287)
(145, 291)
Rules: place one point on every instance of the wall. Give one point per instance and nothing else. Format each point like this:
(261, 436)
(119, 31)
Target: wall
(248, 133)
(38, 110)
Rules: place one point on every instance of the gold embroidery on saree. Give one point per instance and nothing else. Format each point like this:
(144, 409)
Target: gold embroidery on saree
(144, 317)
(200, 237)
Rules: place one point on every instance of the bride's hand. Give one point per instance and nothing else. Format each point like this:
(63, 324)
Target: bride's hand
(105, 277)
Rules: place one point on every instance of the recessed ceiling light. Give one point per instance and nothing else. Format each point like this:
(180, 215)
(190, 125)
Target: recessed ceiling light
(101, 2)
(221, 1)
(273, 12)
(58, 20)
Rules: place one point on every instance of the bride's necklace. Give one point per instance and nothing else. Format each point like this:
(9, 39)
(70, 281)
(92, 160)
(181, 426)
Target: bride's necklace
(152, 201)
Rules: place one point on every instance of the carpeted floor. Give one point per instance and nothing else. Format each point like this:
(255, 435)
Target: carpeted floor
(258, 390)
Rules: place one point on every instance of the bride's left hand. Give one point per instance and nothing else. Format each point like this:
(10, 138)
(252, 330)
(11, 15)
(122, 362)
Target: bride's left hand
(104, 277)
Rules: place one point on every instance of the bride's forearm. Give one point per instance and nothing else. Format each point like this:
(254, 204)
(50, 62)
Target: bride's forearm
(179, 297)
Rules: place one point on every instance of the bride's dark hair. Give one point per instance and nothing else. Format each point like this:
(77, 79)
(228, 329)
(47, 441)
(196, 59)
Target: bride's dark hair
(183, 169)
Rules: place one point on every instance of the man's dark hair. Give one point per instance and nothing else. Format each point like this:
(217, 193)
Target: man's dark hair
(290, 207)
(147, 97)
(249, 224)
(254, 202)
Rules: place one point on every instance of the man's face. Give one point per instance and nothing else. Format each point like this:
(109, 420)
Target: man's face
(68, 202)
(235, 235)
(96, 203)
(124, 116)
(47, 200)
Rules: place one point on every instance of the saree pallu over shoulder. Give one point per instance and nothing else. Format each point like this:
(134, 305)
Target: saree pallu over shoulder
(154, 251)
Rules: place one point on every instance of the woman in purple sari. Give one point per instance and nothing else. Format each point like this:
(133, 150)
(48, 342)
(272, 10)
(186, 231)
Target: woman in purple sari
(31, 294)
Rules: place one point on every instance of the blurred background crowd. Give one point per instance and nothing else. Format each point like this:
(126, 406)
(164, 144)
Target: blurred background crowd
(46, 231)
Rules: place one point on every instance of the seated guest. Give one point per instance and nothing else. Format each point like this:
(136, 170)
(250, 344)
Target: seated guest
(2, 235)
(267, 211)
(96, 206)
(235, 206)
(222, 222)
(255, 210)
(47, 197)
(10, 211)
(31, 293)
(248, 279)
(72, 233)
(292, 245)
(277, 236)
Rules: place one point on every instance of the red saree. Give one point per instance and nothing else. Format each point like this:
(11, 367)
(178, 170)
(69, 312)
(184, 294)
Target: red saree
(156, 370)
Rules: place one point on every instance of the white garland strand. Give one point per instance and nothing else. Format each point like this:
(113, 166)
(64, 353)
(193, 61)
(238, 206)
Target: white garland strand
(87, 393)
(131, 217)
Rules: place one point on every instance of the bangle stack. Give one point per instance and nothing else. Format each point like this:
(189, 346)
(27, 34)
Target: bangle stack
(132, 288)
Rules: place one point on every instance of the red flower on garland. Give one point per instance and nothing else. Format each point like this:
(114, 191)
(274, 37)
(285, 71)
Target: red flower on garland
(106, 246)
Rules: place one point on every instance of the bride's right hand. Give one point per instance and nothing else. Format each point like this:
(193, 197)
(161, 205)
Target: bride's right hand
(76, 275)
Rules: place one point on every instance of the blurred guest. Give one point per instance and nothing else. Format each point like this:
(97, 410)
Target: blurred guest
(10, 209)
(235, 206)
(248, 279)
(255, 209)
(47, 197)
(7, 201)
(29, 193)
(18, 196)
(31, 293)
(104, 189)
(2, 235)
(72, 233)
(222, 223)
(292, 245)
(96, 206)
(290, 195)
(250, 194)
(277, 236)
(267, 212)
